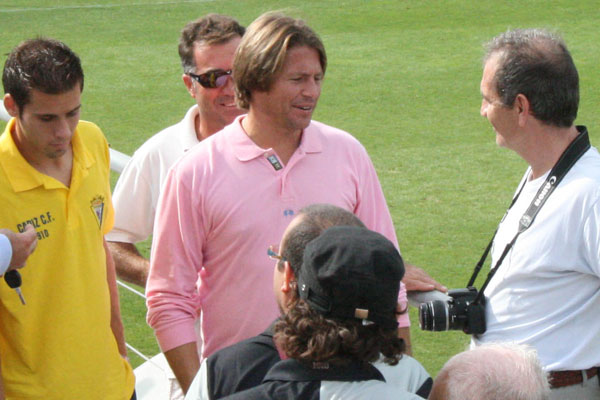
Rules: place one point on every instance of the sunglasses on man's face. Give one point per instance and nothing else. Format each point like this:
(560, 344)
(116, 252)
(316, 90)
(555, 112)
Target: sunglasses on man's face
(212, 79)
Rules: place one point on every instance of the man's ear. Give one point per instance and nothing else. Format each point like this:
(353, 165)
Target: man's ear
(189, 84)
(11, 106)
(288, 277)
(523, 108)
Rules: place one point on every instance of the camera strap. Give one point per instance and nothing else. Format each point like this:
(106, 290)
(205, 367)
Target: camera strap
(568, 158)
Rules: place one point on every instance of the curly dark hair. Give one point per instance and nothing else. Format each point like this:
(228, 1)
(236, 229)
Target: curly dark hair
(307, 336)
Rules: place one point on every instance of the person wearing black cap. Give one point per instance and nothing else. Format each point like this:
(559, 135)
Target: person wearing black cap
(337, 284)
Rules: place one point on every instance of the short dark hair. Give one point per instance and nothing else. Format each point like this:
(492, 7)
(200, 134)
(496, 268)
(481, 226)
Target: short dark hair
(315, 219)
(210, 29)
(537, 64)
(263, 50)
(308, 336)
(47, 65)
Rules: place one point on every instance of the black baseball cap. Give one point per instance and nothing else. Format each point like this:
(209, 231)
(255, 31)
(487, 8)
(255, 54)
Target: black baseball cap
(352, 273)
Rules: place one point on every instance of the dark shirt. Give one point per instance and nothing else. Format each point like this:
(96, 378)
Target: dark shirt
(255, 364)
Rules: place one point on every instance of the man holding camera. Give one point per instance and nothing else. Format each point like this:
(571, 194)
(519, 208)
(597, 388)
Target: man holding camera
(545, 291)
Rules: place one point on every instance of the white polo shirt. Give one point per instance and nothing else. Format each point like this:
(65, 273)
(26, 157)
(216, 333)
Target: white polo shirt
(546, 293)
(136, 193)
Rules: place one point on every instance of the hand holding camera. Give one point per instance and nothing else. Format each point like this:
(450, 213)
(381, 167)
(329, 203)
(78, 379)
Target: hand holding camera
(460, 311)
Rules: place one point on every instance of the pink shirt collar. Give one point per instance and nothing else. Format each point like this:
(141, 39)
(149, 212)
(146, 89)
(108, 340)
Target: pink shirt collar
(245, 149)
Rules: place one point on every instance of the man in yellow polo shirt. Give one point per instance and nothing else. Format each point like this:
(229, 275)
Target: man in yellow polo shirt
(67, 341)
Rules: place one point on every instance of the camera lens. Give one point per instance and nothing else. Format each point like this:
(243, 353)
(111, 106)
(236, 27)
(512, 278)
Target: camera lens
(433, 316)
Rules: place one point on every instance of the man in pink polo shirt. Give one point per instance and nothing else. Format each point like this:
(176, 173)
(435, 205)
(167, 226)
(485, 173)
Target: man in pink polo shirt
(233, 195)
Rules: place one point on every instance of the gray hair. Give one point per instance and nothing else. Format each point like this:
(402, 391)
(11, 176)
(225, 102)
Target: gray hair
(498, 371)
(537, 64)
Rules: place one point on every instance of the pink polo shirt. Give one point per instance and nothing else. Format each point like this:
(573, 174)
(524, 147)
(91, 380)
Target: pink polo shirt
(222, 205)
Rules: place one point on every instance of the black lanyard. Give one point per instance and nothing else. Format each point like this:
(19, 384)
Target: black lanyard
(569, 157)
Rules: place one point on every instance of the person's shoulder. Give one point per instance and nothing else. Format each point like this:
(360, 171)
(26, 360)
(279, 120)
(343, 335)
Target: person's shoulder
(169, 143)
(591, 162)
(586, 173)
(225, 139)
(367, 389)
(89, 129)
(408, 375)
(260, 346)
(406, 366)
(409, 362)
(387, 391)
(210, 151)
(330, 134)
(158, 141)
(167, 149)
(241, 366)
(92, 136)
(329, 130)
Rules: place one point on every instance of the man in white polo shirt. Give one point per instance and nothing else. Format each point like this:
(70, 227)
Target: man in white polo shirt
(206, 49)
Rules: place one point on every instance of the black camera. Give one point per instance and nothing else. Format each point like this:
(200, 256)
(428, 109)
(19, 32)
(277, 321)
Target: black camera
(460, 312)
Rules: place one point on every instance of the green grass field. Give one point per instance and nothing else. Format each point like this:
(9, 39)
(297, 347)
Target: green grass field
(403, 77)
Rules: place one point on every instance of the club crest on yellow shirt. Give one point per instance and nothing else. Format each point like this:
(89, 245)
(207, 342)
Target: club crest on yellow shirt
(97, 206)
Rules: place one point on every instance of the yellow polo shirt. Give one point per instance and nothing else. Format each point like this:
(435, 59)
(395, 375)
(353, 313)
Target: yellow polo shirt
(60, 344)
